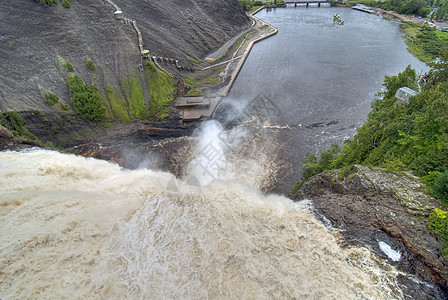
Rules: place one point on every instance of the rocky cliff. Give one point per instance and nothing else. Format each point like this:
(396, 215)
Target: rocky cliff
(370, 206)
(36, 41)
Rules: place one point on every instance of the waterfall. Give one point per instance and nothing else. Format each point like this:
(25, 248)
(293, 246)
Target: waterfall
(75, 227)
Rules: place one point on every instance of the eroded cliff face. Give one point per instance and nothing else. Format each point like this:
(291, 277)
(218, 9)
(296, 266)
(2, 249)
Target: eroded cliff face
(34, 38)
(372, 205)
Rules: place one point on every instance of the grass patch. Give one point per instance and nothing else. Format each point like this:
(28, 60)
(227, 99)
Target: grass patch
(255, 8)
(118, 105)
(66, 3)
(234, 46)
(212, 80)
(192, 81)
(191, 84)
(161, 89)
(424, 42)
(134, 95)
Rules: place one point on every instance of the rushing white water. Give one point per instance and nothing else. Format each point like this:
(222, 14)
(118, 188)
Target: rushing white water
(391, 253)
(72, 227)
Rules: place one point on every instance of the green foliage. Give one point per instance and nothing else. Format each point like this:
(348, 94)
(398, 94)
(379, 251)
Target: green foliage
(438, 223)
(439, 71)
(246, 4)
(441, 13)
(47, 2)
(85, 99)
(51, 99)
(4, 122)
(426, 43)
(429, 40)
(337, 20)
(62, 62)
(18, 126)
(134, 94)
(195, 60)
(314, 166)
(161, 90)
(66, 3)
(118, 105)
(65, 106)
(212, 80)
(54, 129)
(400, 137)
(407, 7)
(90, 65)
(440, 187)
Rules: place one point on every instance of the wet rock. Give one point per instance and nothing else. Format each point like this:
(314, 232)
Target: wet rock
(374, 205)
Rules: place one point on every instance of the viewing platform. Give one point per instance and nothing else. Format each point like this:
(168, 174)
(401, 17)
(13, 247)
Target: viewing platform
(196, 108)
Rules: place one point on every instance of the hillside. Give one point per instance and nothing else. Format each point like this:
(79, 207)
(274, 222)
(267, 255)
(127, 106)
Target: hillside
(39, 43)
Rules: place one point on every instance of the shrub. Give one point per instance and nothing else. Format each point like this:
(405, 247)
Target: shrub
(66, 3)
(90, 65)
(65, 64)
(47, 2)
(85, 99)
(440, 187)
(51, 99)
(18, 126)
(438, 223)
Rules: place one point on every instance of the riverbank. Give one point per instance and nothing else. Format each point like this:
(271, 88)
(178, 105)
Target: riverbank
(226, 67)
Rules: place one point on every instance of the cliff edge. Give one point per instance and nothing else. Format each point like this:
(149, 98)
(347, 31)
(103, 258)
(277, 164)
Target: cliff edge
(372, 205)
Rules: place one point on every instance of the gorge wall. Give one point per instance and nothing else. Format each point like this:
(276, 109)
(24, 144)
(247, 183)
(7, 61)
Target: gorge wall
(35, 39)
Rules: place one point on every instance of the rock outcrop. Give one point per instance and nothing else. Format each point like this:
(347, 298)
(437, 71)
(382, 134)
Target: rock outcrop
(374, 205)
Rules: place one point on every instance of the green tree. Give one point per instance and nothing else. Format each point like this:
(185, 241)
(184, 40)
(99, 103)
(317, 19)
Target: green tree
(85, 99)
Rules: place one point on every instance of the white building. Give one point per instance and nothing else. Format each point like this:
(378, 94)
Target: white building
(404, 93)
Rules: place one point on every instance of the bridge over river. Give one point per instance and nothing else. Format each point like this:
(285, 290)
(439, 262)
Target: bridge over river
(307, 2)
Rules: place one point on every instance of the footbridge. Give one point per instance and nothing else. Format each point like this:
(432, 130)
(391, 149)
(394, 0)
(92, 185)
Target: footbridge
(307, 2)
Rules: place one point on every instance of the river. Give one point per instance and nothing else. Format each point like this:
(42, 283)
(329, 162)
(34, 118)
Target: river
(318, 73)
(80, 228)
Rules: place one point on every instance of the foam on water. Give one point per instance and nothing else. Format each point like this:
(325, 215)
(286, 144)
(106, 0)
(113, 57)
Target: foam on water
(72, 227)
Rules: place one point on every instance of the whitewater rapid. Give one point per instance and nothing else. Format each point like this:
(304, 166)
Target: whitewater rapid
(74, 227)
